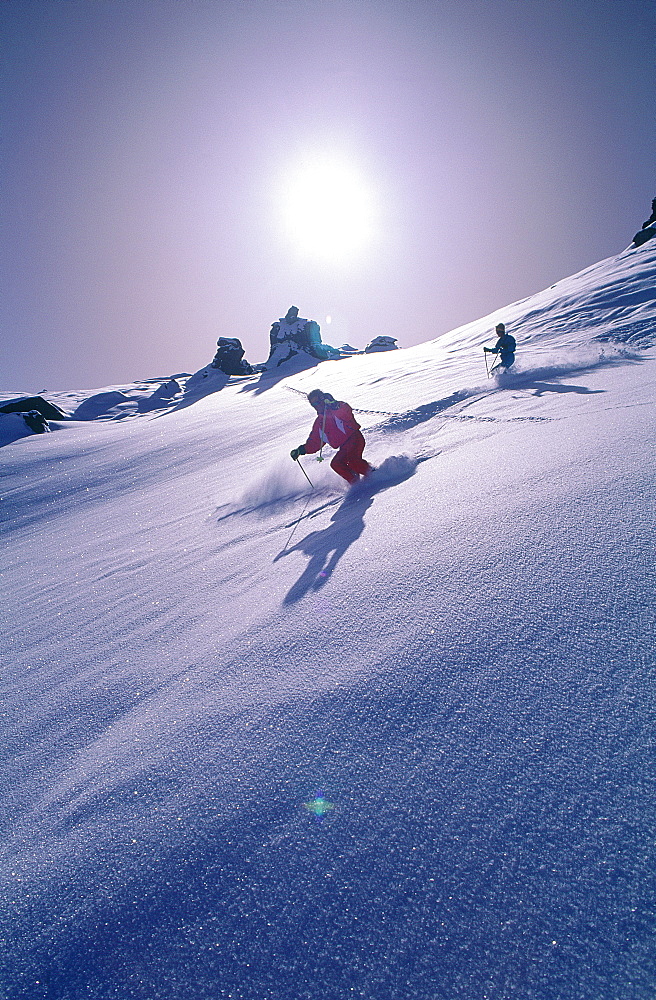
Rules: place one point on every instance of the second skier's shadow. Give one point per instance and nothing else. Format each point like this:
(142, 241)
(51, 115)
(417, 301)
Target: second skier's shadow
(325, 548)
(542, 387)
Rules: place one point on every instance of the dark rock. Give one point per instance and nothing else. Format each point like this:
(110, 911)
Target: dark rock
(644, 235)
(648, 230)
(38, 403)
(36, 421)
(381, 344)
(230, 357)
(652, 217)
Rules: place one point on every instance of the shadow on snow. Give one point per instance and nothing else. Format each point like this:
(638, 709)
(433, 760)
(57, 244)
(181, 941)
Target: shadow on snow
(326, 547)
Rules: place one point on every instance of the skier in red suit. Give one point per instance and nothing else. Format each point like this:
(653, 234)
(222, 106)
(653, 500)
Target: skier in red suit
(335, 425)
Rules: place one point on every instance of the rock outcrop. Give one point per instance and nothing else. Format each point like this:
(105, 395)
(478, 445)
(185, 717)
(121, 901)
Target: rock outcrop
(229, 357)
(292, 335)
(25, 404)
(648, 230)
(381, 344)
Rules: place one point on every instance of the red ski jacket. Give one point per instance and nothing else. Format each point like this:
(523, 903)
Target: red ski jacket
(333, 426)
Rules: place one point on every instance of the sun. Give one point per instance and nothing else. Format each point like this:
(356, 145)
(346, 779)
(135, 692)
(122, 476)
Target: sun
(328, 208)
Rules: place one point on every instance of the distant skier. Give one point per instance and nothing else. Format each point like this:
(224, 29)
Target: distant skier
(335, 425)
(504, 347)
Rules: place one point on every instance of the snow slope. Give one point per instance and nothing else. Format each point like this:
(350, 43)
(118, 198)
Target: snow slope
(401, 749)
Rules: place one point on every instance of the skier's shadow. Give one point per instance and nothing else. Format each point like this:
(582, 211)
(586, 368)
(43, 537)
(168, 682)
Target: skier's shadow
(542, 387)
(325, 548)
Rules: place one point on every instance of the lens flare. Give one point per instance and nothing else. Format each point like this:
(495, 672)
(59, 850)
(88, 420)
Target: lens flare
(319, 806)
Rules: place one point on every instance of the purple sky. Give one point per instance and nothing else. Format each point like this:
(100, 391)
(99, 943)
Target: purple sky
(506, 144)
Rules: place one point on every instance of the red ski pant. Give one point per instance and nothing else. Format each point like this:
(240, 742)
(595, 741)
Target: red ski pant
(348, 462)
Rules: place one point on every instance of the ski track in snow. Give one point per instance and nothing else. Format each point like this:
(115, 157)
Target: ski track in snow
(264, 741)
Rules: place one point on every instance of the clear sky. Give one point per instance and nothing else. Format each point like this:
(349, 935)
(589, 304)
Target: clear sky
(178, 170)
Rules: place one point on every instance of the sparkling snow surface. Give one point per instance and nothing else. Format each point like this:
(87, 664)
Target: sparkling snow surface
(401, 750)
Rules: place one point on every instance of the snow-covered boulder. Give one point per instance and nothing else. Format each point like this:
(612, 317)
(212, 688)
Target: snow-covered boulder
(381, 344)
(21, 424)
(167, 390)
(206, 380)
(161, 397)
(293, 335)
(12, 427)
(100, 404)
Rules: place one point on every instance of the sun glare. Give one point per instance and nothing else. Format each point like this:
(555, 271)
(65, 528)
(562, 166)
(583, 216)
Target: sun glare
(328, 209)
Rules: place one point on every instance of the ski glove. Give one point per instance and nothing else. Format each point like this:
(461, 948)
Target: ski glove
(295, 452)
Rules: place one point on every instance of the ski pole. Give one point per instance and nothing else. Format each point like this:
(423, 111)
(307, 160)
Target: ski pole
(298, 520)
(304, 473)
(487, 367)
(323, 434)
(296, 524)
